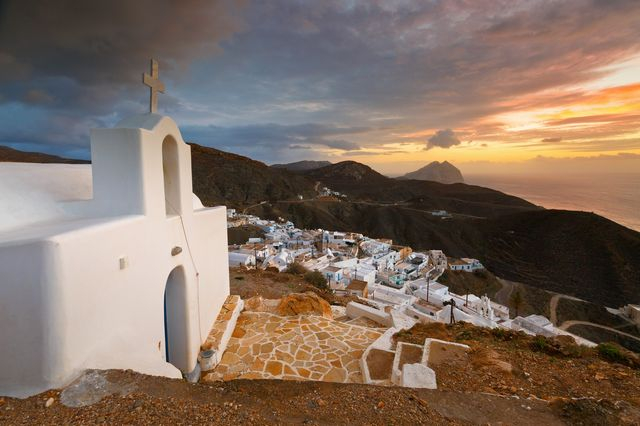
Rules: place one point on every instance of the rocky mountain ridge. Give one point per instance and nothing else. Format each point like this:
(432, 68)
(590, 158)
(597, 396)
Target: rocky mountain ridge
(301, 166)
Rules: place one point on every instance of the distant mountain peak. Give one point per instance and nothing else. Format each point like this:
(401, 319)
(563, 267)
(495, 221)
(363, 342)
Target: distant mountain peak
(443, 172)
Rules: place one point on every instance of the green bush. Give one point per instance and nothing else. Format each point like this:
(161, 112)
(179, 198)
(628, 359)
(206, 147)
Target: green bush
(296, 269)
(611, 352)
(540, 344)
(316, 279)
(502, 334)
(464, 335)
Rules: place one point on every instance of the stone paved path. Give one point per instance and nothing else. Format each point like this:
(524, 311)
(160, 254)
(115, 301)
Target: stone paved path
(306, 347)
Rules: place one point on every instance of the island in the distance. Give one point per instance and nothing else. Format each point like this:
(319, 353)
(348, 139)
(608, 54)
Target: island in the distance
(435, 171)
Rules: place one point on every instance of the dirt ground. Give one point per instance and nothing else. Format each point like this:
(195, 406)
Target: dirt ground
(535, 374)
(155, 400)
(248, 283)
(269, 285)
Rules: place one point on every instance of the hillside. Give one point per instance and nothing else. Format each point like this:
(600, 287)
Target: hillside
(13, 155)
(223, 178)
(444, 172)
(362, 183)
(301, 166)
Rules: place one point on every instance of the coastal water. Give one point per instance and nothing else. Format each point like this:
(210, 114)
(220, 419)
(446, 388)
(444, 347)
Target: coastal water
(614, 196)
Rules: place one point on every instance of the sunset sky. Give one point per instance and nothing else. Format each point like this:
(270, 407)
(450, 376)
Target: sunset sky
(488, 85)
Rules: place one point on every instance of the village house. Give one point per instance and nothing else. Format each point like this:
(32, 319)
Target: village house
(632, 312)
(407, 269)
(391, 279)
(385, 261)
(465, 264)
(241, 258)
(374, 247)
(259, 250)
(435, 293)
(363, 272)
(281, 260)
(358, 288)
(438, 258)
(333, 274)
(403, 251)
(390, 296)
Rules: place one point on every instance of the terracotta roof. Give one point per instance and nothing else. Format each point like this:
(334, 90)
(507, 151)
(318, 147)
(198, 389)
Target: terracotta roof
(357, 285)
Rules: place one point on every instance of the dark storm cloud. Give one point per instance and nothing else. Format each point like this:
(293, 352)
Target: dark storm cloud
(452, 61)
(79, 59)
(96, 42)
(443, 139)
(436, 64)
(271, 141)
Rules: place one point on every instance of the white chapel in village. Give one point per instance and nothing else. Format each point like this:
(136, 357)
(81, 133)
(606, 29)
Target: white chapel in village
(113, 265)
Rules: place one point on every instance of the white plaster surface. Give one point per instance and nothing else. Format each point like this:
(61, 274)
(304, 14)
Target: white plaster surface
(427, 347)
(355, 310)
(396, 375)
(65, 303)
(32, 193)
(418, 376)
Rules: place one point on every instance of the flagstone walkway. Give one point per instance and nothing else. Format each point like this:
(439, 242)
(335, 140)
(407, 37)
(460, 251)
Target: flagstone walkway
(305, 347)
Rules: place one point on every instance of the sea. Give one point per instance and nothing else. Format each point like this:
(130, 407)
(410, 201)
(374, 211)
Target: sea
(615, 196)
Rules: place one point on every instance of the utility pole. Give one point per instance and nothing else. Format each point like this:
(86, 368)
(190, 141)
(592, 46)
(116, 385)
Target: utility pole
(451, 303)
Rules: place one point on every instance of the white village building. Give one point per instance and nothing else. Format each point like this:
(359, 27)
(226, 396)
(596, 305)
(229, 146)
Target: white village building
(241, 258)
(465, 264)
(114, 265)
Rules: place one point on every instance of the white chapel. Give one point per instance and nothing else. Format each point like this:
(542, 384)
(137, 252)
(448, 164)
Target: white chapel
(112, 265)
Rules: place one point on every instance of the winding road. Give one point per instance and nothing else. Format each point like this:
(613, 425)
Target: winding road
(553, 306)
(569, 323)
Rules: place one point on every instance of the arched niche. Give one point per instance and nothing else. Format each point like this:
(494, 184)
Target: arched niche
(171, 176)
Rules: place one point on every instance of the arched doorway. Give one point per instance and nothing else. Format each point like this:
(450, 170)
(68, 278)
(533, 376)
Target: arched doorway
(171, 175)
(176, 327)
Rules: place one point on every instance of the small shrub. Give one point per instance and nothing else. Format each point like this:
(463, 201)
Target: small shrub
(502, 334)
(296, 269)
(316, 279)
(239, 278)
(540, 344)
(611, 352)
(464, 335)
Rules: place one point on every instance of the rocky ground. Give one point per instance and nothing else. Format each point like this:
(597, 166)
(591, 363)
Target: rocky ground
(273, 285)
(140, 399)
(514, 364)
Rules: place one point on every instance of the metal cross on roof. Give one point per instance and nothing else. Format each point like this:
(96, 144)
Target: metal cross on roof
(154, 84)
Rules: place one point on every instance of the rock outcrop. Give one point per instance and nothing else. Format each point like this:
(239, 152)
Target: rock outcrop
(304, 303)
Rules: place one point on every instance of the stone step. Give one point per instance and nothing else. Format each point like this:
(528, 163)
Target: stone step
(216, 343)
